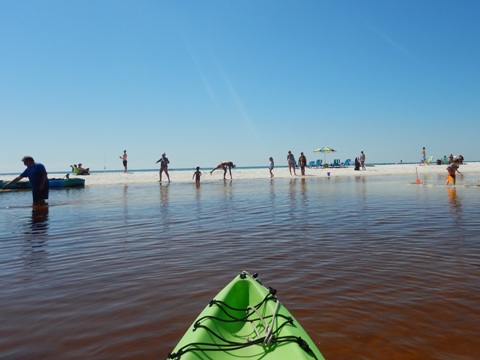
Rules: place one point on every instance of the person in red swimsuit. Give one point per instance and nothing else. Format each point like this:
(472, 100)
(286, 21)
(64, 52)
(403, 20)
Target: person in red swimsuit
(224, 165)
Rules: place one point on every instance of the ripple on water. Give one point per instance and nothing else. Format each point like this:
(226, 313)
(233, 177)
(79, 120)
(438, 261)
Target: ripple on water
(373, 269)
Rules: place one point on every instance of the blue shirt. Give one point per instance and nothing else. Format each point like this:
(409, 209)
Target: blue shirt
(35, 175)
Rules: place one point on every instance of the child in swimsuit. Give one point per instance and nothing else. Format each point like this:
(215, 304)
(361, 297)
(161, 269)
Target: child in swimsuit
(452, 170)
(197, 175)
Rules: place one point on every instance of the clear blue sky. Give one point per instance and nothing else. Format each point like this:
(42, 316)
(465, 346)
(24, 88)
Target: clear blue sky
(206, 81)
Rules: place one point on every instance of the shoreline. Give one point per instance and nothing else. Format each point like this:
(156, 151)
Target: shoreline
(185, 176)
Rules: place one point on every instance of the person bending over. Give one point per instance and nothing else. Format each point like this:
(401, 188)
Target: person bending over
(224, 165)
(37, 174)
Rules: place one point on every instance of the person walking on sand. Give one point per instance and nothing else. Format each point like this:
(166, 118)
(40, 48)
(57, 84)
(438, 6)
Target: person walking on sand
(362, 160)
(291, 163)
(271, 166)
(452, 170)
(224, 165)
(302, 162)
(37, 174)
(197, 174)
(163, 166)
(124, 159)
(424, 155)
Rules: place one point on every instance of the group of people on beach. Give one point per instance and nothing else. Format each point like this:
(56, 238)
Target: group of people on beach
(37, 174)
(302, 163)
(453, 162)
(224, 165)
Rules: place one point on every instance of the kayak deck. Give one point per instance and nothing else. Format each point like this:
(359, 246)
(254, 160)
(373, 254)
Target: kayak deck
(247, 321)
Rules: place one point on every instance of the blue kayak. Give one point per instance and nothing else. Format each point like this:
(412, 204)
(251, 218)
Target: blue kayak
(54, 184)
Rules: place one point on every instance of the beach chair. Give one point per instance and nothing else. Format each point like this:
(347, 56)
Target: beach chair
(347, 162)
(336, 163)
(311, 164)
(429, 160)
(318, 163)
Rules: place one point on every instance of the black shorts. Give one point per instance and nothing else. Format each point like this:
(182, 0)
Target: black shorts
(124, 162)
(39, 195)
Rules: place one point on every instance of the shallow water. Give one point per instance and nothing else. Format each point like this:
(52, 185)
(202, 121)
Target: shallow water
(372, 268)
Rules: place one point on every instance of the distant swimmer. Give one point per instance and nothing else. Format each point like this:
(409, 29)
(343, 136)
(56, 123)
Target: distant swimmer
(124, 159)
(163, 166)
(224, 165)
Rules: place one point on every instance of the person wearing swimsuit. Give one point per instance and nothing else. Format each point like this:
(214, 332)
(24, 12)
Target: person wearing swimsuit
(224, 165)
(124, 160)
(291, 163)
(272, 165)
(163, 166)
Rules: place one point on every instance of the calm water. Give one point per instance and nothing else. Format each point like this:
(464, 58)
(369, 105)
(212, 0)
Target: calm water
(373, 268)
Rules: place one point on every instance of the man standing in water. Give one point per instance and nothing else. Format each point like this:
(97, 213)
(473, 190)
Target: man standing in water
(124, 159)
(163, 166)
(37, 174)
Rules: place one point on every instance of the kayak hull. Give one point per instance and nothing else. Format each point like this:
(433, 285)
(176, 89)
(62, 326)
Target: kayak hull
(53, 183)
(245, 321)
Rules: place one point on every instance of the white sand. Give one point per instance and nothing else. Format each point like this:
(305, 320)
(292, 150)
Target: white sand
(239, 174)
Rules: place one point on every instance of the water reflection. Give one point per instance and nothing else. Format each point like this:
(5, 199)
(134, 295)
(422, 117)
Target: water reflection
(34, 249)
(454, 200)
(125, 201)
(303, 187)
(164, 194)
(409, 269)
(272, 189)
(39, 223)
(164, 208)
(292, 194)
(361, 190)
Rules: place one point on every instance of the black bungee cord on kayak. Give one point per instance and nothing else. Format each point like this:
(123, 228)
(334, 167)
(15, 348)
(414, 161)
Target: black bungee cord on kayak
(270, 339)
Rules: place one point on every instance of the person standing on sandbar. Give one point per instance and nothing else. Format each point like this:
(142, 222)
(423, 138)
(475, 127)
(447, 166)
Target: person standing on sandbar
(291, 163)
(124, 159)
(163, 166)
(362, 160)
(302, 162)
